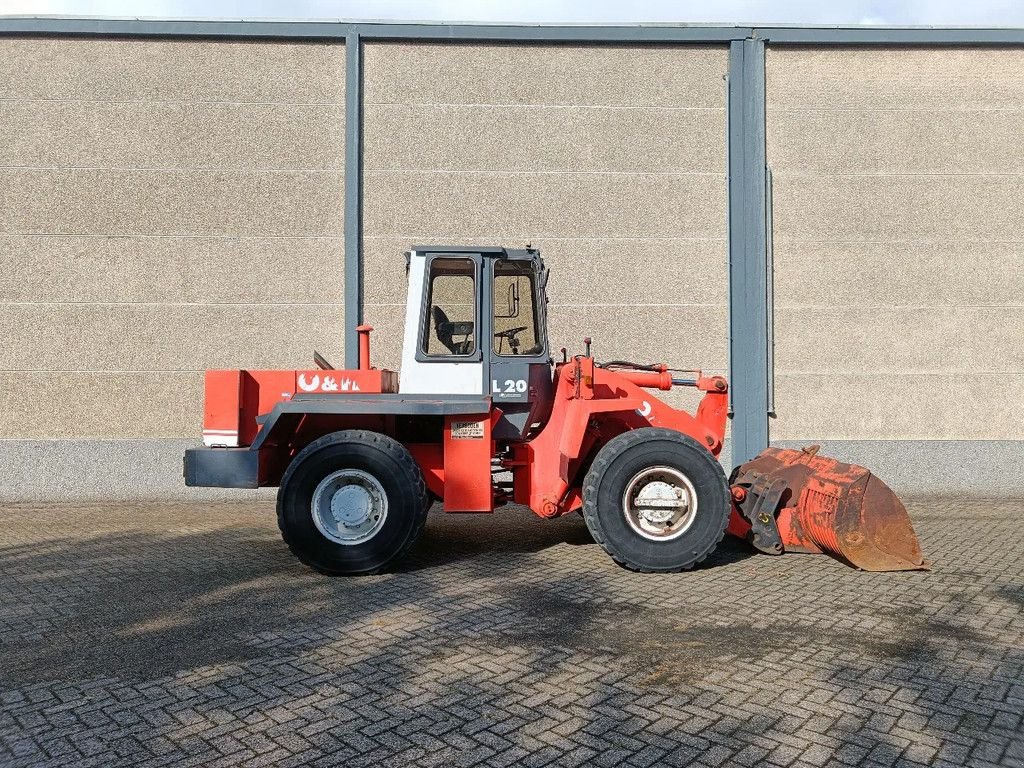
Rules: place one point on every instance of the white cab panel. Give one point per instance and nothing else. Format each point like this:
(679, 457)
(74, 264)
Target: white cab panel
(431, 378)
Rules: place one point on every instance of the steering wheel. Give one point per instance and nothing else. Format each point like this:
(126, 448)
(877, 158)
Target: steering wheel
(508, 333)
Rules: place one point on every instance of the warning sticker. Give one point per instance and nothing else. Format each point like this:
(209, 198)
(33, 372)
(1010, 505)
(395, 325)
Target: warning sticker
(468, 430)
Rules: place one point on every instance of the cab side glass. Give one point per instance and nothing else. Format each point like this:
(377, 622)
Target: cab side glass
(450, 308)
(515, 310)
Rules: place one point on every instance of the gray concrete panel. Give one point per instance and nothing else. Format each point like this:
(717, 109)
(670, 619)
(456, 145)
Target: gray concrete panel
(125, 69)
(80, 405)
(166, 337)
(866, 140)
(952, 273)
(504, 206)
(205, 270)
(898, 198)
(897, 78)
(159, 202)
(171, 135)
(882, 339)
(403, 73)
(897, 208)
(898, 406)
(518, 137)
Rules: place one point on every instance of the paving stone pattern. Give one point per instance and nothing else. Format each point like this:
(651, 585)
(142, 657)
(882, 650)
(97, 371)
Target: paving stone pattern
(186, 634)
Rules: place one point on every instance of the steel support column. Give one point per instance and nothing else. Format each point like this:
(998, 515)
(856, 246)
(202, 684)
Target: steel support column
(748, 270)
(353, 195)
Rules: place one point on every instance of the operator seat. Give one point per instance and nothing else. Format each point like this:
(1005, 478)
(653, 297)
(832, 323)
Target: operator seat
(446, 330)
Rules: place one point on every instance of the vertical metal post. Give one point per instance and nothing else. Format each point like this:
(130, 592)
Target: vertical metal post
(748, 255)
(353, 196)
(769, 227)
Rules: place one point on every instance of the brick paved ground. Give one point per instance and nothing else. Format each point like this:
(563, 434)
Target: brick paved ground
(175, 634)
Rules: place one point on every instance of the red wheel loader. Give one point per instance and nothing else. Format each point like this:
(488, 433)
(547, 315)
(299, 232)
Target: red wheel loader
(481, 416)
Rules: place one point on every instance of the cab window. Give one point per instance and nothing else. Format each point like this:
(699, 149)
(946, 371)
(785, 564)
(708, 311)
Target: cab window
(451, 308)
(515, 309)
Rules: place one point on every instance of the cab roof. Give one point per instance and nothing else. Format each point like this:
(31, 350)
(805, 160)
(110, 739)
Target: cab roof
(524, 254)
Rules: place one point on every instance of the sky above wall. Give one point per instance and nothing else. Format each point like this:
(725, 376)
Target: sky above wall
(899, 12)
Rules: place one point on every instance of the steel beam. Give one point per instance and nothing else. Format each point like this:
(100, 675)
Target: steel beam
(353, 196)
(871, 35)
(638, 33)
(748, 272)
(622, 33)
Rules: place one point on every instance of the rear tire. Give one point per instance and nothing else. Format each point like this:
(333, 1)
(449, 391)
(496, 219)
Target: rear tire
(656, 500)
(352, 502)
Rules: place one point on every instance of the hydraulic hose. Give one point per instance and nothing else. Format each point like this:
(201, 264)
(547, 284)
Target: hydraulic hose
(628, 364)
(677, 381)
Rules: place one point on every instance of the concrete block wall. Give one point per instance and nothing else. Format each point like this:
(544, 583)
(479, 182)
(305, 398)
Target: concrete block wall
(611, 159)
(166, 206)
(898, 198)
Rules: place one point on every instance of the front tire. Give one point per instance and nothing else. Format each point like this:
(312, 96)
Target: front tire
(352, 502)
(656, 500)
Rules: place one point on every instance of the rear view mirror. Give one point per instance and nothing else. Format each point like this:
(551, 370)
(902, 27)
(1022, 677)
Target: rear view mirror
(511, 300)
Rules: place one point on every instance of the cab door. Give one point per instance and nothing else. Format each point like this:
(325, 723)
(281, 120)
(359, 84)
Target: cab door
(442, 352)
(518, 363)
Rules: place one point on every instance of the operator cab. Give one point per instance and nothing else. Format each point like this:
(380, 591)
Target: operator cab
(476, 324)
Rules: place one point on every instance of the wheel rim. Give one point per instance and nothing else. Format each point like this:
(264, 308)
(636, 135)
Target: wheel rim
(660, 503)
(349, 506)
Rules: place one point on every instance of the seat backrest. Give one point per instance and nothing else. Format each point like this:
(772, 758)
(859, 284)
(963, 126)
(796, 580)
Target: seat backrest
(443, 329)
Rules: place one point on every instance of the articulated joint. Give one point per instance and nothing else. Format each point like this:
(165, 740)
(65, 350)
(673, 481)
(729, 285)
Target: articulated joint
(549, 507)
(712, 384)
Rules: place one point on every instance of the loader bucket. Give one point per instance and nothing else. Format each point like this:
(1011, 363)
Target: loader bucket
(787, 500)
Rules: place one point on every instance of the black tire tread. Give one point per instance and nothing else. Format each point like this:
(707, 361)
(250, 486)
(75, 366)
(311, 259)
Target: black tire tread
(611, 451)
(383, 443)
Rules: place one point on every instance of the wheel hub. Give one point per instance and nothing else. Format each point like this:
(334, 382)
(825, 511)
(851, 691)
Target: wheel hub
(659, 503)
(349, 506)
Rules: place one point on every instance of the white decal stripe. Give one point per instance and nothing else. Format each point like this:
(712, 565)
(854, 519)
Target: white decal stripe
(221, 441)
